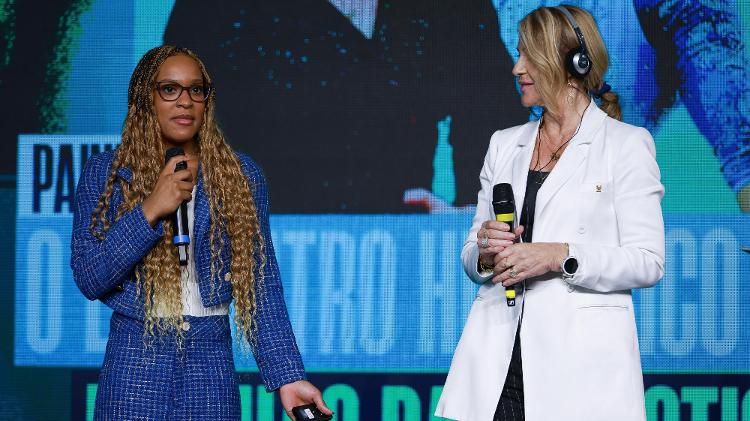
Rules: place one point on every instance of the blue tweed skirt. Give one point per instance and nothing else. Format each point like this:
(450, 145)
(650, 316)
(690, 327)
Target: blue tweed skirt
(149, 378)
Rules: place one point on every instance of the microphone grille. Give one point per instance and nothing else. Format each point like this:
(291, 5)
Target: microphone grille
(172, 152)
(502, 192)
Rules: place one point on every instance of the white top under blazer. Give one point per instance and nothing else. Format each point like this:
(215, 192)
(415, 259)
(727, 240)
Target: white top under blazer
(191, 295)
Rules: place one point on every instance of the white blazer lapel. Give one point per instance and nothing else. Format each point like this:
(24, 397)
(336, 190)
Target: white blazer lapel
(521, 162)
(575, 154)
(569, 162)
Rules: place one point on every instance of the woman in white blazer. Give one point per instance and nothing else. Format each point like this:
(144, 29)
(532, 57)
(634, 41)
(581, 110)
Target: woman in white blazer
(588, 192)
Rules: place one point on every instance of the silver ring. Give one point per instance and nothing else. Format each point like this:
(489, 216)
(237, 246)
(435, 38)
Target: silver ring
(513, 273)
(484, 242)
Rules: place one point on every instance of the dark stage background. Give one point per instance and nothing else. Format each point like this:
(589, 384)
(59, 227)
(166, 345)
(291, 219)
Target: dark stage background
(371, 119)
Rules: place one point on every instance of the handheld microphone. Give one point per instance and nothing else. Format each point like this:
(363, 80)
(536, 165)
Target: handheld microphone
(504, 206)
(180, 228)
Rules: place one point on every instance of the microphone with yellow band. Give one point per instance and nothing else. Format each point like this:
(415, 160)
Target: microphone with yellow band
(504, 207)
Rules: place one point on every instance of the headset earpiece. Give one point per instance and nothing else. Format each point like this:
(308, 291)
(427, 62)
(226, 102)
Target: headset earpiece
(577, 61)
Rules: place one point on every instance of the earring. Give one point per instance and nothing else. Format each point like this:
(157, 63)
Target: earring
(571, 94)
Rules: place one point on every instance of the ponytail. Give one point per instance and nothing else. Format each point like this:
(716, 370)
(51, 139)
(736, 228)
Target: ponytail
(610, 104)
(609, 100)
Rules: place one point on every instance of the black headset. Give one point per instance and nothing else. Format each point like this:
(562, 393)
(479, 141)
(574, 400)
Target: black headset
(577, 60)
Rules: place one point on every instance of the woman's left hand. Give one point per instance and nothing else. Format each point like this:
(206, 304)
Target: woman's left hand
(527, 260)
(299, 393)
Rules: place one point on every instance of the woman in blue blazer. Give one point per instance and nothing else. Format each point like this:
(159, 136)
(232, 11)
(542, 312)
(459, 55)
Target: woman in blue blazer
(169, 353)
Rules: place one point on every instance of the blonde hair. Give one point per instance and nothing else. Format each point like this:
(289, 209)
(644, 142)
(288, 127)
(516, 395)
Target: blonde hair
(546, 36)
(142, 151)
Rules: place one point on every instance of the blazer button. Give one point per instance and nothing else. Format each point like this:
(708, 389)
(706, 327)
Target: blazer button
(185, 326)
(581, 229)
(228, 276)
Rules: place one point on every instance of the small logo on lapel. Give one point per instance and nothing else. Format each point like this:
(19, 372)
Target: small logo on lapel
(598, 188)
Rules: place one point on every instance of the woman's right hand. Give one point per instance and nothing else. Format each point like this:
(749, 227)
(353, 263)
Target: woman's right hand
(171, 189)
(498, 236)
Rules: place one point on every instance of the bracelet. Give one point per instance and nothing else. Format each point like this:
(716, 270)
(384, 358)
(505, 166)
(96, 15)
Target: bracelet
(484, 268)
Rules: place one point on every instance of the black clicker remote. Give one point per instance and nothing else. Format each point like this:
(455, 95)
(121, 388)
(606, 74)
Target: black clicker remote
(309, 413)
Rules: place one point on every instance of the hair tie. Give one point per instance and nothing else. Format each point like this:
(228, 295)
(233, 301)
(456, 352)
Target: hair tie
(601, 91)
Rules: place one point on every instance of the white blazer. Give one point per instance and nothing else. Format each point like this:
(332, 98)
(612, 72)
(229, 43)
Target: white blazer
(578, 339)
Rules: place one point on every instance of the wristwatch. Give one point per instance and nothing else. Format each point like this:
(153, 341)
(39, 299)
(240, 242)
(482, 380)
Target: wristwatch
(568, 267)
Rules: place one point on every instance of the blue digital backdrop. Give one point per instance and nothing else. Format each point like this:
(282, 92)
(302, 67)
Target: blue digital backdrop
(371, 119)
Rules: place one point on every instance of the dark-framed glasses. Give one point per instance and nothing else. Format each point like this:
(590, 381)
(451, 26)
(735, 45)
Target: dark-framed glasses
(170, 91)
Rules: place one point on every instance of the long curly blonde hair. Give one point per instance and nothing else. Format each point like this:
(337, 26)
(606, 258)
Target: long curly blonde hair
(142, 151)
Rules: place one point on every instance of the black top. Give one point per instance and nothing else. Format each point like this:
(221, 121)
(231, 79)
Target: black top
(534, 181)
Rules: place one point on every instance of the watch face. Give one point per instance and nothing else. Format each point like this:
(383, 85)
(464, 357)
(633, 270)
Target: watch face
(571, 265)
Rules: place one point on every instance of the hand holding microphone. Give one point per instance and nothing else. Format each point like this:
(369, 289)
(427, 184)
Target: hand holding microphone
(171, 189)
(504, 206)
(170, 195)
(514, 263)
(494, 236)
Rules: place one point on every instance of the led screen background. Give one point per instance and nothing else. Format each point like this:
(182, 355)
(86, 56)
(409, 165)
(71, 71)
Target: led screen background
(365, 116)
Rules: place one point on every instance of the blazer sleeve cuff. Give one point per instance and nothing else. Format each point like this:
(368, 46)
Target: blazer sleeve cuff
(471, 260)
(281, 372)
(133, 236)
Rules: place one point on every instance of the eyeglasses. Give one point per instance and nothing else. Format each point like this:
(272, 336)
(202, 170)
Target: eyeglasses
(170, 91)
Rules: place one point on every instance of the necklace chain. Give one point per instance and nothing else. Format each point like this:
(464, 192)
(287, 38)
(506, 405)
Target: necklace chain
(555, 156)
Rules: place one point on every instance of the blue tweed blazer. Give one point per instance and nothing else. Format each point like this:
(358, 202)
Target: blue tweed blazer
(104, 270)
